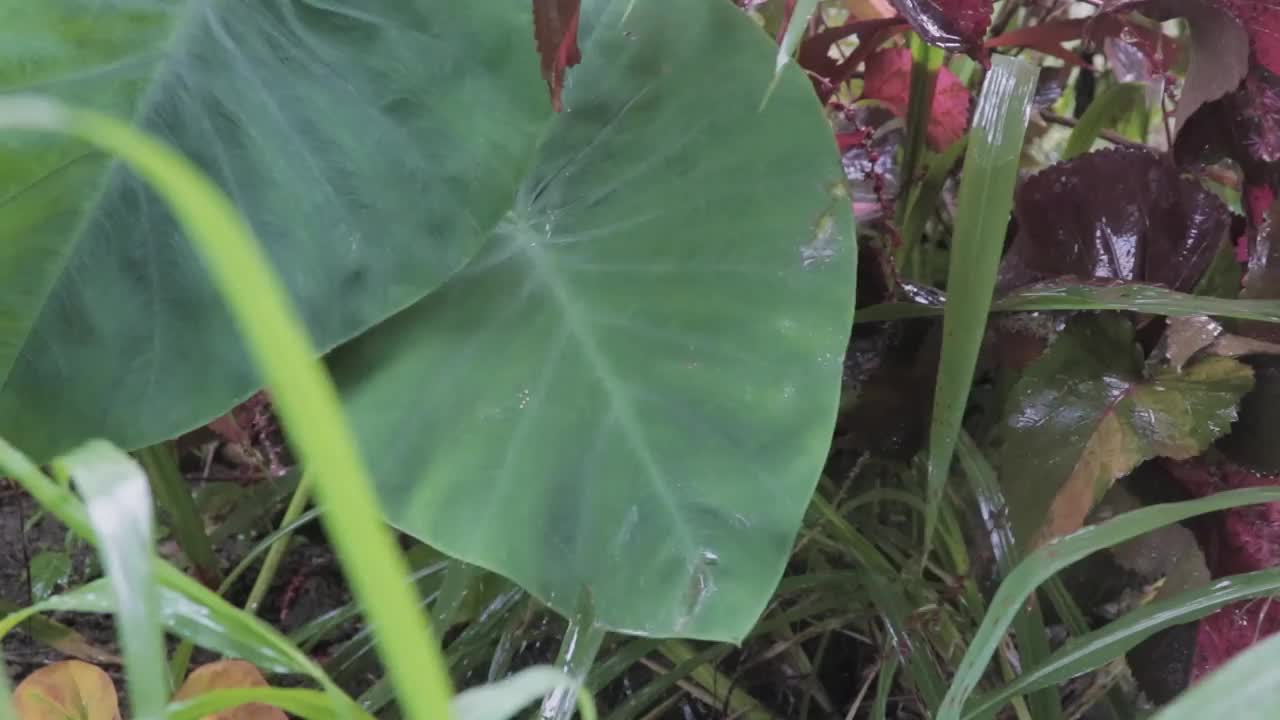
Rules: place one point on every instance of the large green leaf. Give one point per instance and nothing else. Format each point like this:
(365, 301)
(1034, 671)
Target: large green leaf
(372, 146)
(628, 396)
(1085, 414)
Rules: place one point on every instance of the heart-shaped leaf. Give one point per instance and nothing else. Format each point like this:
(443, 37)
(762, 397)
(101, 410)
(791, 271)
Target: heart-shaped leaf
(369, 165)
(68, 690)
(229, 675)
(627, 396)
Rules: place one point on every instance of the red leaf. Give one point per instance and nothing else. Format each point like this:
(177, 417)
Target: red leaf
(888, 79)
(555, 29)
(1046, 38)
(956, 25)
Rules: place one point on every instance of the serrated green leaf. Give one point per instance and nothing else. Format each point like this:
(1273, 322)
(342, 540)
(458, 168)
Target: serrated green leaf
(1085, 414)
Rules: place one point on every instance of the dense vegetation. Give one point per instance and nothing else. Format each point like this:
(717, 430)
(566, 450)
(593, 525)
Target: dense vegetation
(655, 358)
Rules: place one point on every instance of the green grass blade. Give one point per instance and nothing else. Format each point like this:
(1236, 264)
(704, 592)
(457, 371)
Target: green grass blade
(986, 198)
(505, 698)
(1093, 650)
(924, 199)
(278, 546)
(173, 495)
(304, 394)
(926, 60)
(791, 38)
(1246, 688)
(118, 499)
(1029, 631)
(307, 704)
(1148, 299)
(1114, 103)
(6, 700)
(1059, 554)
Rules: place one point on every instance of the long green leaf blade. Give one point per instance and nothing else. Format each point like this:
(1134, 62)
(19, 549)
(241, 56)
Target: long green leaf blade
(303, 392)
(118, 500)
(1053, 557)
(1113, 104)
(986, 198)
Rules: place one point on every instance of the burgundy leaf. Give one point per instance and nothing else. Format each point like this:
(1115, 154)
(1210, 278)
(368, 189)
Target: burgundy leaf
(1046, 38)
(956, 25)
(1121, 214)
(888, 80)
(1240, 540)
(555, 29)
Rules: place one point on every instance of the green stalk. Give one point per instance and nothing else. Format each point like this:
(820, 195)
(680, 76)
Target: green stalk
(174, 495)
(986, 198)
(305, 396)
(926, 62)
(270, 565)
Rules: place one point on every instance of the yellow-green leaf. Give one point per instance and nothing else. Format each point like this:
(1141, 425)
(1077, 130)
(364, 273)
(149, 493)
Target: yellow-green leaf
(68, 690)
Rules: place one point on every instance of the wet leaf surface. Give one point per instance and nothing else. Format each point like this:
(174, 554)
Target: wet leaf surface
(956, 25)
(1086, 414)
(1117, 214)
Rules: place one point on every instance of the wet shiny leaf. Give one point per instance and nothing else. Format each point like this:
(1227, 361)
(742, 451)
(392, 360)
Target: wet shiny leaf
(228, 675)
(371, 168)
(956, 25)
(641, 369)
(1114, 215)
(1085, 414)
(68, 690)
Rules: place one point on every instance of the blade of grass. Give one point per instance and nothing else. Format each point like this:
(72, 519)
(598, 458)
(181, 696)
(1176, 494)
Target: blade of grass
(1246, 688)
(6, 702)
(57, 636)
(503, 699)
(1131, 297)
(986, 198)
(791, 37)
(304, 394)
(738, 703)
(279, 545)
(118, 500)
(307, 704)
(925, 62)
(1107, 109)
(1093, 650)
(924, 197)
(1049, 559)
(1028, 627)
(173, 495)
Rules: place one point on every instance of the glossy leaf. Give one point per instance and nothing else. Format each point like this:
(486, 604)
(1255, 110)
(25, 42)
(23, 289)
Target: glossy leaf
(306, 704)
(641, 369)
(118, 500)
(67, 690)
(1088, 652)
(1106, 110)
(986, 195)
(1085, 414)
(1052, 558)
(1114, 215)
(956, 25)
(229, 675)
(370, 167)
(505, 698)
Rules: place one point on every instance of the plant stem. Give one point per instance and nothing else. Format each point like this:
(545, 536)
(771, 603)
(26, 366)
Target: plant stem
(271, 564)
(174, 496)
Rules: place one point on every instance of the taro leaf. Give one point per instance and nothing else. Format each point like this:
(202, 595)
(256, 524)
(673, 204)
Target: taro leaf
(371, 167)
(1085, 415)
(555, 28)
(68, 690)
(229, 675)
(1118, 214)
(641, 369)
(956, 25)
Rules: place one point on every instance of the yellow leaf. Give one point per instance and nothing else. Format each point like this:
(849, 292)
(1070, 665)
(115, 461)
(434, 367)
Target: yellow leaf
(69, 690)
(229, 675)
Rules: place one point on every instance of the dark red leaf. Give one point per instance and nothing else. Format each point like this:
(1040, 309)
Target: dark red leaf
(1239, 540)
(956, 25)
(888, 80)
(1046, 38)
(1120, 214)
(555, 30)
